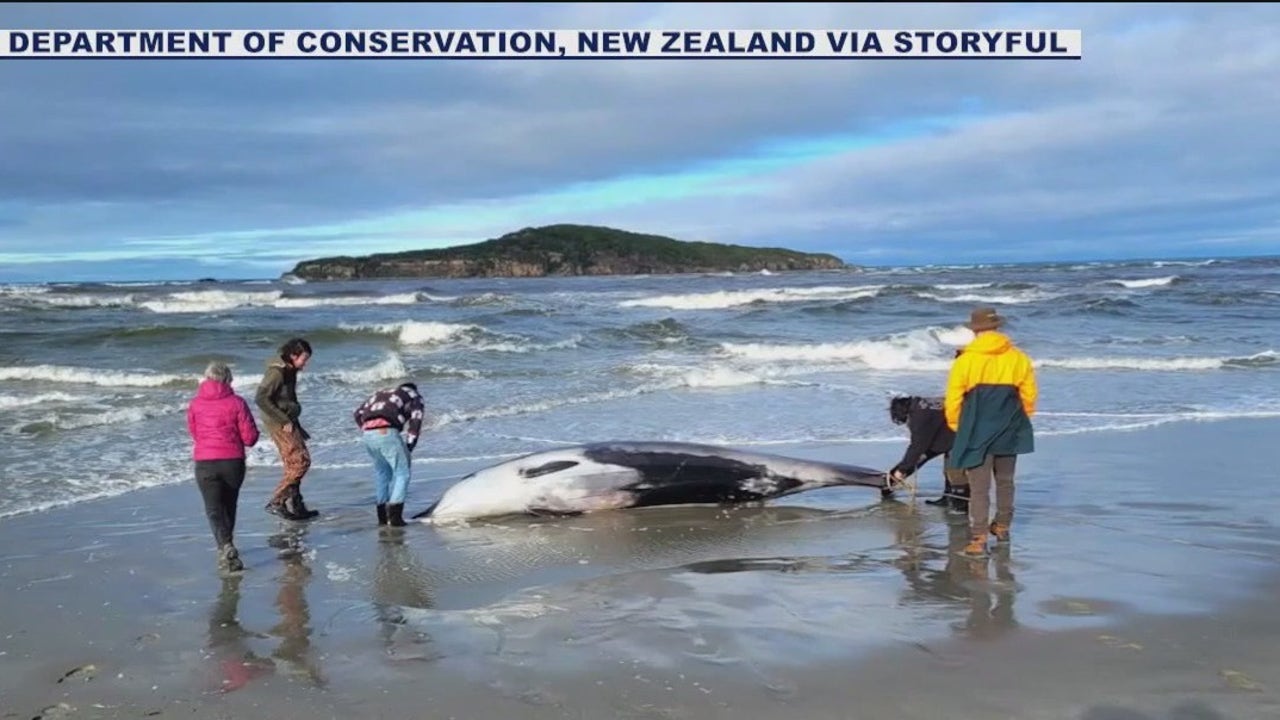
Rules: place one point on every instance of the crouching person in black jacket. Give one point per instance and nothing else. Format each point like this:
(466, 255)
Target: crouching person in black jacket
(930, 437)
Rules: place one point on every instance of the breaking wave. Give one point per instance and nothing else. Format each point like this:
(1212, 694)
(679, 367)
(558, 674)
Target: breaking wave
(723, 299)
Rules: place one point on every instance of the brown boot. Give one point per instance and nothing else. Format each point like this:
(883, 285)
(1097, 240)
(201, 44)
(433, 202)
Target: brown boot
(977, 546)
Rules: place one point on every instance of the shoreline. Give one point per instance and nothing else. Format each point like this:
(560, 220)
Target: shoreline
(827, 605)
(815, 447)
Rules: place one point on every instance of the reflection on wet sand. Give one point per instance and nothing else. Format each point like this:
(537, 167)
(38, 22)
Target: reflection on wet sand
(500, 555)
(400, 581)
(991, 602)
(228, 642)
(724, 589)
(959, 578)
(719, 588)
(294, 628)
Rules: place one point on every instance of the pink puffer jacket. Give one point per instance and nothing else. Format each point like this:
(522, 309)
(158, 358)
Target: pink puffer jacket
(220, 423)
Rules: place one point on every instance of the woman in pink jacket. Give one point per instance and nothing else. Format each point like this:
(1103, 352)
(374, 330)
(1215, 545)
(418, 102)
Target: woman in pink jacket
(221, 427)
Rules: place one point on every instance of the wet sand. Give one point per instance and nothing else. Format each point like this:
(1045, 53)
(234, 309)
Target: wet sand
(1139, 584)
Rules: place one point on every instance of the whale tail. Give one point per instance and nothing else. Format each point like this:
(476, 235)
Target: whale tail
(427, 512)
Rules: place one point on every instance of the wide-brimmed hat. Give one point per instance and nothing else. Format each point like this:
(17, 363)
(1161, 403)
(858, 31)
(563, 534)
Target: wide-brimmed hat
(984, 318)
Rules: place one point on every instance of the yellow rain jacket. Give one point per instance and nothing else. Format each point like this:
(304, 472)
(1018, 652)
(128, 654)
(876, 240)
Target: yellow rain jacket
(991, 396)
(991, 359)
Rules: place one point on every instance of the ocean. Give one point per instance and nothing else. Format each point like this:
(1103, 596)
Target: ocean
(95, 377)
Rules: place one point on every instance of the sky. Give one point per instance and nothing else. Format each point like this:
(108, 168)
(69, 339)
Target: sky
(1159, 142)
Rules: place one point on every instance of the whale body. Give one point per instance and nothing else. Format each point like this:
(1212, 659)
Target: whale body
(619, 475)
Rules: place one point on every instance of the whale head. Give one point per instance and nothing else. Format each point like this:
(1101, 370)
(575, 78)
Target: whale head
(554, 481)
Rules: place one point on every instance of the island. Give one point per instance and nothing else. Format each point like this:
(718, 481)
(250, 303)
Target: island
(559, 250)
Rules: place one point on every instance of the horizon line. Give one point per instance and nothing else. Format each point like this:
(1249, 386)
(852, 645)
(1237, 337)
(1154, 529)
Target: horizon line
(850, 264)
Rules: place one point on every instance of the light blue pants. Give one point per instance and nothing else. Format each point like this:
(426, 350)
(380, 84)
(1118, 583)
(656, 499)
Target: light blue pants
(390, 465)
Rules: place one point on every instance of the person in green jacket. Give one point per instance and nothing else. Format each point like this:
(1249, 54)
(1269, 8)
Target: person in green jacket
(277, 399)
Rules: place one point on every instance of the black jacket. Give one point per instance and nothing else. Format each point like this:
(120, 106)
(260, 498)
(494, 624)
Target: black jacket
(930, 436)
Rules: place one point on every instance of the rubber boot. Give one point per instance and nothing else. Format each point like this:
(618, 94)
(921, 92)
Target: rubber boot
(229, 558)
(382, 513)
(285, 509)
(395, 513)
(295, 507)
(959, 497)
(276, 506)
(945, 499)
(303, 511)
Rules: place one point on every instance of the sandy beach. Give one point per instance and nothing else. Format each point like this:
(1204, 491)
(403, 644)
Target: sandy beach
(1139, 584)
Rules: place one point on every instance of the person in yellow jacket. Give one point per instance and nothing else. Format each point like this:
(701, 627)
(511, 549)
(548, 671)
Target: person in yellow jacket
(990, 400)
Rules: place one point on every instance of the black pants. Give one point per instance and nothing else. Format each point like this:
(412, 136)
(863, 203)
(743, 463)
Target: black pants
(219, 482)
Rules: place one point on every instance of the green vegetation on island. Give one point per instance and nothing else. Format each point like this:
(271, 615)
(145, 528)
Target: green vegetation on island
(566, 250)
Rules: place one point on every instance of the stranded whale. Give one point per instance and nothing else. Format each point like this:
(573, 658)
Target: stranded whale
(618, 475)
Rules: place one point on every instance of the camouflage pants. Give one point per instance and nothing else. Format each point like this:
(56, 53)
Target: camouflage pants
(296, 458)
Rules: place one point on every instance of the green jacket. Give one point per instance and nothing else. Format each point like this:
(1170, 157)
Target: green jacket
(277, 396)
(992, 422)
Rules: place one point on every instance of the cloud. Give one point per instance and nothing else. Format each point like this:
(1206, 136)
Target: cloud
(1156, 142)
